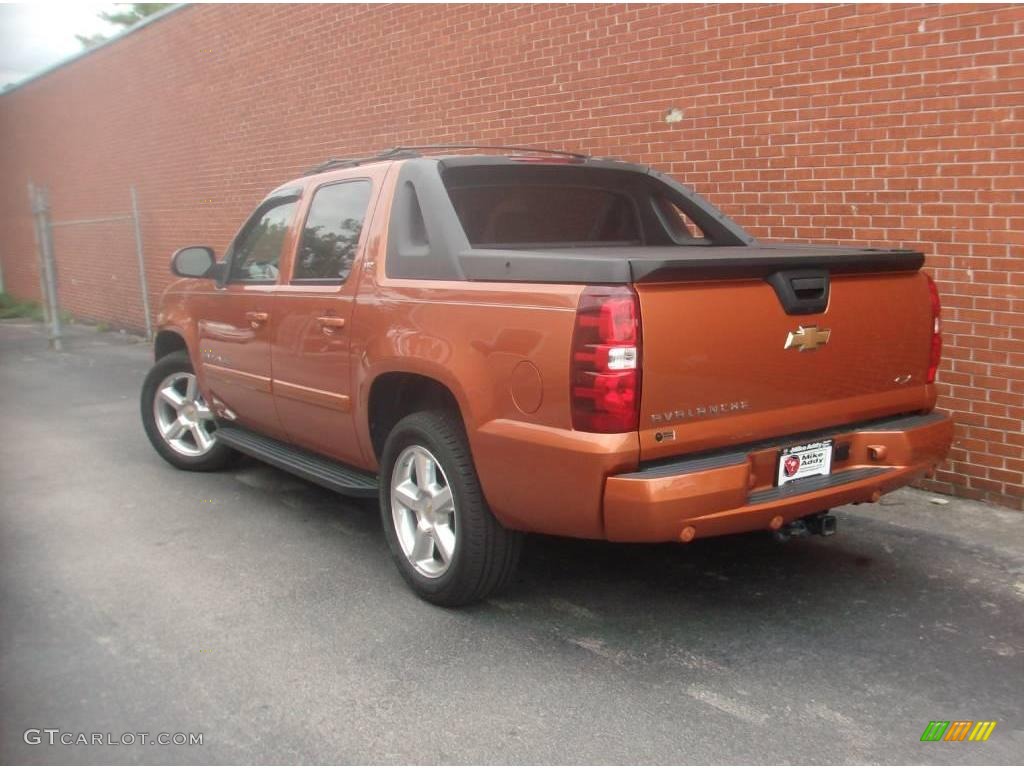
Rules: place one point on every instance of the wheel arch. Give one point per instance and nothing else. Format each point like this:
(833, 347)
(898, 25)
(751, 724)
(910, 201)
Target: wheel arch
(393, 395)
(167, 341)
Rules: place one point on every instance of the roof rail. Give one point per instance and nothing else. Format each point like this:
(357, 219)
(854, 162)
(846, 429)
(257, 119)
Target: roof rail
(399, 153)
(535, 150)
(395, 153)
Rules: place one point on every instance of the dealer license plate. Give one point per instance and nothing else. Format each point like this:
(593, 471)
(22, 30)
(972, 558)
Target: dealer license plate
(804, 461)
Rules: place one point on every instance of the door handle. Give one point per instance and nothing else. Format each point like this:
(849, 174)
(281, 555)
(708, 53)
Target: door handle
(256, 319)
(330, 324)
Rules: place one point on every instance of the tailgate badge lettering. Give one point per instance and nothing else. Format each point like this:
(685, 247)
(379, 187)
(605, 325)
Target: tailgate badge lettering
(698, 412)
(808, 339)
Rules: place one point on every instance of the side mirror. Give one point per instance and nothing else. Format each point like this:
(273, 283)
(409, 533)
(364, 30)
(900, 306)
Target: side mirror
(193, 261)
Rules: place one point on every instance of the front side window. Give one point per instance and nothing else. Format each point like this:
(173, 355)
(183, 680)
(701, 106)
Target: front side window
(330, 237)
(257, 251)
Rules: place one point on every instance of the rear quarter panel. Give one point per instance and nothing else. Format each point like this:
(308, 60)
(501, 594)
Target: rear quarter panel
(503, 351)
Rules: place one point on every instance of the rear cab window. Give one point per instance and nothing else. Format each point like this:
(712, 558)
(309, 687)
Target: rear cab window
(564, 206)
(527, 214)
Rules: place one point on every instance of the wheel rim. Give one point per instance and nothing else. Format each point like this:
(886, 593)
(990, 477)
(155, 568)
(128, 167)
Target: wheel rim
(183, 419)
(423, 511)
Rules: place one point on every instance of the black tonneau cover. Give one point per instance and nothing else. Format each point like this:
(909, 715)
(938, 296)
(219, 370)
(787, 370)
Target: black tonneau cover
(653, 264)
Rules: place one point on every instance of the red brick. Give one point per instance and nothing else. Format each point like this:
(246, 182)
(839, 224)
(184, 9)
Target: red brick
(804, 122)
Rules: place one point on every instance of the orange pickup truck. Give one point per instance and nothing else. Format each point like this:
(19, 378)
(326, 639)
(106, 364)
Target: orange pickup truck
(500, 341)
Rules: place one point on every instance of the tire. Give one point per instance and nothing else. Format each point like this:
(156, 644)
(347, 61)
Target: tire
(481, 553)
(184, 434)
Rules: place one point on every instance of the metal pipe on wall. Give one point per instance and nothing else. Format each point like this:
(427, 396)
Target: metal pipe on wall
(49, 269)
(142, 263)
(34, 203)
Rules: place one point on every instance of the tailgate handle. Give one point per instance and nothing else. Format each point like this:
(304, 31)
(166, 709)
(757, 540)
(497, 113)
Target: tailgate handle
(801, 291)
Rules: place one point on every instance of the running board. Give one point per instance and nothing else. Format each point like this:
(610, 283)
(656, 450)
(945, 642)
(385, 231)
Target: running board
(309, 466)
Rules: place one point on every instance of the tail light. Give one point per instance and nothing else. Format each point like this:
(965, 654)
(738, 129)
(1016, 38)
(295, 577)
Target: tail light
(936, 349)
(605, 373)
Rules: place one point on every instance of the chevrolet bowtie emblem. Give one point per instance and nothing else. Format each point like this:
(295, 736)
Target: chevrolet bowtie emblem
(806, 339)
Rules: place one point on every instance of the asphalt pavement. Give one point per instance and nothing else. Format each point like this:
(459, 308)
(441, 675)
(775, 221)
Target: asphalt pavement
(264, 613)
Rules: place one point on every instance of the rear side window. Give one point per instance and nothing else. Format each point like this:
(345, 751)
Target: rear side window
(522, 214)
(330, 236)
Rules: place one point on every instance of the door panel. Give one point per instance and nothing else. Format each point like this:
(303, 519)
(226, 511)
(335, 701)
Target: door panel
(237, 320)
(234, 351)
(311, 352)
(311, 388)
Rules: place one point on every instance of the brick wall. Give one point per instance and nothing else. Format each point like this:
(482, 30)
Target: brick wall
(881, 124)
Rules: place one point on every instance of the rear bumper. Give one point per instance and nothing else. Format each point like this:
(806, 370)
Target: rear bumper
(734, 492)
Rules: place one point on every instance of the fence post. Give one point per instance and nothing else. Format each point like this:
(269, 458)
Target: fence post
(34, 204)
(142, 263)
(49, 269)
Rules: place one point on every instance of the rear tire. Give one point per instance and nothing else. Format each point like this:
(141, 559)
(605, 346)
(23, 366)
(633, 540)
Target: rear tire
(176, 418)
(446, 543)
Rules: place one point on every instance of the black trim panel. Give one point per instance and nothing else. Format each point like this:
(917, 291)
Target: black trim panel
(817, 483)
(686, 466)
(738, 454)
(654, 264)
(759, 260)
(908, 422)
(426, 241)
(309, 466)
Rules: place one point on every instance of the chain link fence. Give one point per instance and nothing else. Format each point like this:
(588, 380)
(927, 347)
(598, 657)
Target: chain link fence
(45, 229)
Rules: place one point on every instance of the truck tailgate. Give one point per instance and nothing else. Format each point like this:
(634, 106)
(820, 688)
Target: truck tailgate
(716, 370)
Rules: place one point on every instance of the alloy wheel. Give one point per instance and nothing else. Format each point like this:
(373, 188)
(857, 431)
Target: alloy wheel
(184, 420)
(423, 511)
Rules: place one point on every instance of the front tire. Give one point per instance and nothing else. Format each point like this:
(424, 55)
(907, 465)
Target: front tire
(446, 543)
(176, 418)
